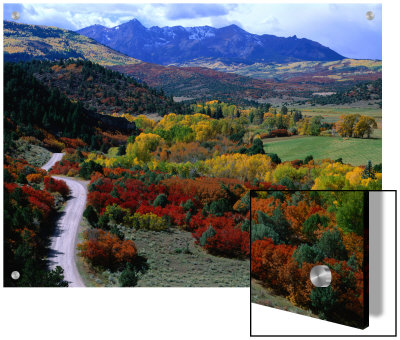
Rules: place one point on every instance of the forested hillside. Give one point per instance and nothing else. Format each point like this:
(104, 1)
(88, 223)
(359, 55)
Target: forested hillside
(200, 82)
(33, 109)
(369, 91)
(338, 71)
(26, 42)
(101, 89)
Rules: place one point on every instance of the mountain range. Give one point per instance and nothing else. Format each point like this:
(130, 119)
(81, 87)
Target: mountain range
(177, 44)
(213, 78)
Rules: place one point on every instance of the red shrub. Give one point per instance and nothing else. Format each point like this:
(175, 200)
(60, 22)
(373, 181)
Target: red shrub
(41, 195)
(104, 249)
(10, 187)
(100, 200)
(62, 167)
(276, 133)
(72, 143)
(229, 239)
(267, 259)
(176, 213)
(205, 189)
(56, 185)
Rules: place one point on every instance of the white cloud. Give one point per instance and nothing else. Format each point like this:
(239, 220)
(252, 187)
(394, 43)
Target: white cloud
(343, 27)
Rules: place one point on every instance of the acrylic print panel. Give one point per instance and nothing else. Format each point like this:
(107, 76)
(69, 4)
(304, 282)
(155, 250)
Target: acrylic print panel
(133, 134)
(309, 253)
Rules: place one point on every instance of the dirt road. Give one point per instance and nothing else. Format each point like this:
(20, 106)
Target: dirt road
(63, 241)
(53, 160)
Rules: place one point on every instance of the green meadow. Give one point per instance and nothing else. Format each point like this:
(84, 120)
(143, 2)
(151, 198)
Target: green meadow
(354, 151)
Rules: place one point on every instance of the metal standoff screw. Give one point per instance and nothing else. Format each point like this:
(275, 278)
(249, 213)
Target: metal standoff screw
(370, 15)
(15, 275)
(15, 15)
(321, 276)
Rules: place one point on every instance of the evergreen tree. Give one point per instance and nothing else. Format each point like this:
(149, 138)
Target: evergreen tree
(368, 171)
(210, 232)
(251, 117)
(128, 277)
(161, 200)
(91, 215)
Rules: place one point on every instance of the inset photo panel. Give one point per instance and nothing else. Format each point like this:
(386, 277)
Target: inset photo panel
(310, 257)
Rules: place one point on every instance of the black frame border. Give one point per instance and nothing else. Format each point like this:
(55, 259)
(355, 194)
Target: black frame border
(331, 336)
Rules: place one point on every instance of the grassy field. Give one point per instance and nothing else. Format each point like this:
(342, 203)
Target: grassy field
(354, 151)
(264, 296)
(174, 261)
(34, 154)
(332, 114)
(338, 110)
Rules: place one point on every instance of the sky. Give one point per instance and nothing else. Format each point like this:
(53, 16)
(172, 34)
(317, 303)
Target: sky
(342, 27)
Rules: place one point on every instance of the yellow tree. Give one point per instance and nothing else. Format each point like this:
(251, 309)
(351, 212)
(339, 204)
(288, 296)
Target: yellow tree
(144, 145)
(345, 125)
(204, 131)
(304, 126)
(364, 126)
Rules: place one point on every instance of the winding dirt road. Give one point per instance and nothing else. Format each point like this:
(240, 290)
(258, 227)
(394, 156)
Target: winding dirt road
(63, 242)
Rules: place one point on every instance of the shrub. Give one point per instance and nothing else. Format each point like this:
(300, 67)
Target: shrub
(218, 208)
(115, 214)
(189, 205)
(117, 232)
(161, 200)
(308, 159)
(91, 215)
(305, 253)
(22, 178)
(288, 183)
(63, 167)
(210, 232)
(128, 277)
(330, 245)
(72, 172)
(56, 185)
(279, 133)
(35, 178)
(274, 158)
(148, 221)
(313, 223)
(88, 167)
(323, 299)
(229, 240)
(256, 148)
(243, 205)
(262, 231)
(275, 227)
(104, 249)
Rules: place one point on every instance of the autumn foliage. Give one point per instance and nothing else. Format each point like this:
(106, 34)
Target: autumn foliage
(315, 239)
(191, 204)
(104, 249)
(56, 185)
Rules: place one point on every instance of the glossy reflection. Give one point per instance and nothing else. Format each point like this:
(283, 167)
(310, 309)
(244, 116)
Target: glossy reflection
(321, 276)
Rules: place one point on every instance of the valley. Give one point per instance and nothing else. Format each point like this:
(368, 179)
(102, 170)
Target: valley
(156, 147)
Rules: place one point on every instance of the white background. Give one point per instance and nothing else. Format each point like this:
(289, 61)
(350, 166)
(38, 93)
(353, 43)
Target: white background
(177, 313)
